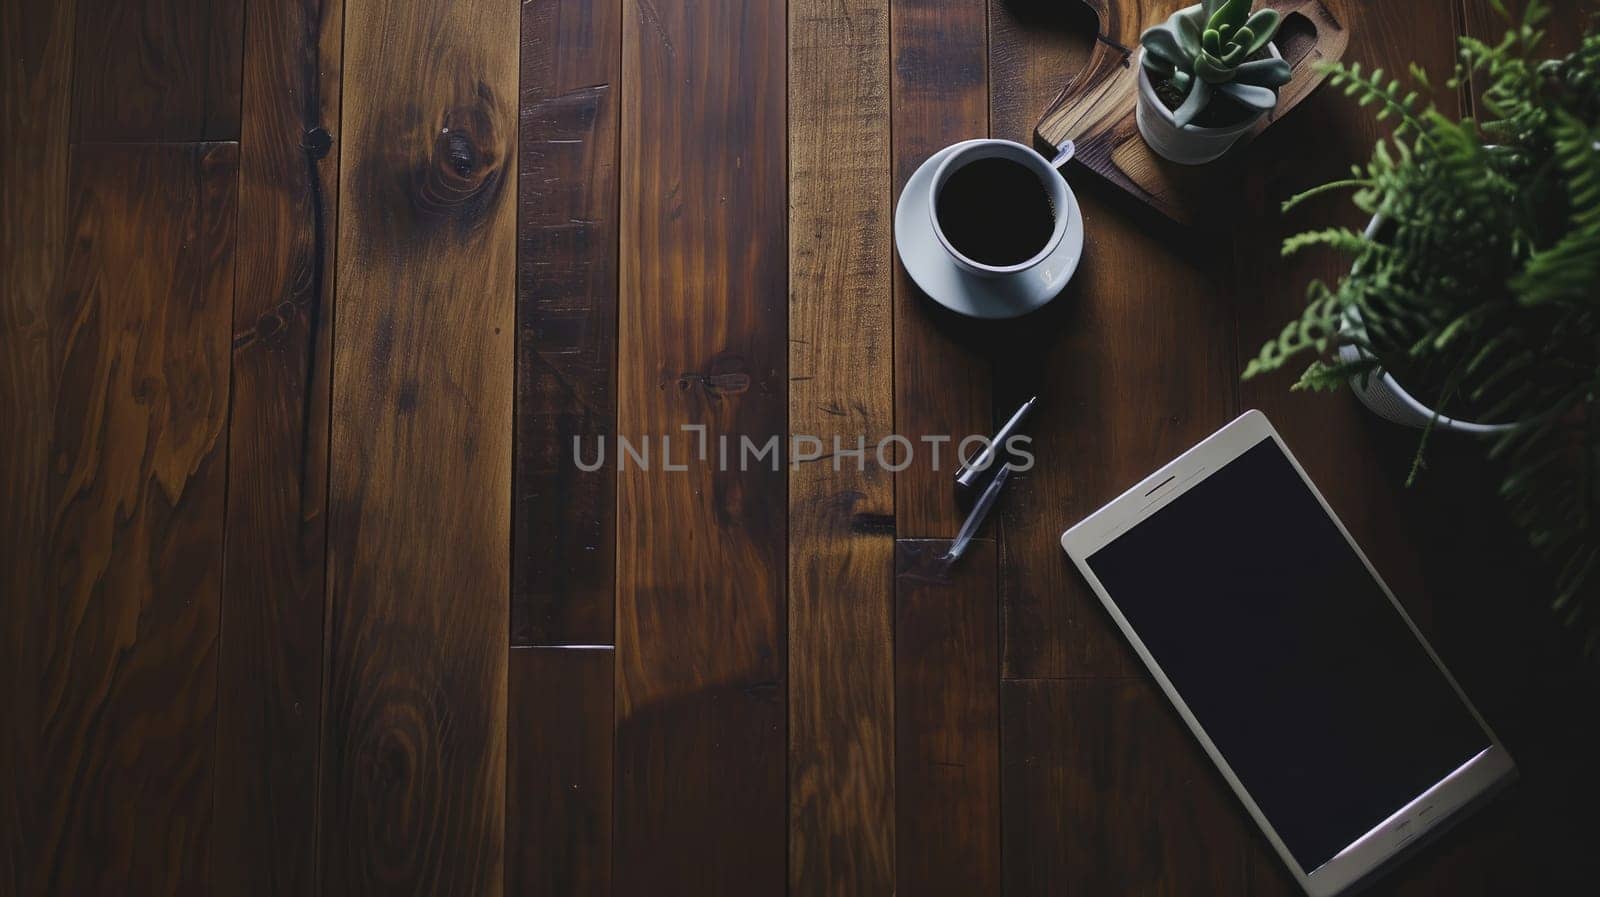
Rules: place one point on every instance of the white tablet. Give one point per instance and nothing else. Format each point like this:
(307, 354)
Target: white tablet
(1292, 662)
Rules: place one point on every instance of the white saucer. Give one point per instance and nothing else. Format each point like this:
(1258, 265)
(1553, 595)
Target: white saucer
(960, 290)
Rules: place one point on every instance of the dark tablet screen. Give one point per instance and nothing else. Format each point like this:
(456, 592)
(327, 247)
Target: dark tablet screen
(1288, 652)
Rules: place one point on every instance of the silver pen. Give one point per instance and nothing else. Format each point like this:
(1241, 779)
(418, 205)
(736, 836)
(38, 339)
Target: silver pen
(971, 470)
(980, 510)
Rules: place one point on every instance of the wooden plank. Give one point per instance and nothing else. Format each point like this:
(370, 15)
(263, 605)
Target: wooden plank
(564, 525)
(947, 825)
(1107, 792)
(413, 779)
(1564, 26)
(1358, 461)
(1537, 838)
(36, 43)
(700, 800)
(1133, 364)
(941, 365)
(159, 70)
(271, 652)
(128, 644)
(841, 523)
(558, 772)
(947, 725)
(1534, 839)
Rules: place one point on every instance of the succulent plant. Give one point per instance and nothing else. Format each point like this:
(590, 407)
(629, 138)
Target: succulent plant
(1212, 48)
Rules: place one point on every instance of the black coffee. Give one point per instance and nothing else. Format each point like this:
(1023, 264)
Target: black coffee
(996, 211)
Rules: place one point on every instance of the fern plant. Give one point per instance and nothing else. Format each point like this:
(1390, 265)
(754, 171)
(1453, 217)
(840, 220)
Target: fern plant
(1481, 293)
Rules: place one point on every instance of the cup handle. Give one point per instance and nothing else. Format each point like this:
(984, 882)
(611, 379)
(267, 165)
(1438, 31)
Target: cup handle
(1064, 154)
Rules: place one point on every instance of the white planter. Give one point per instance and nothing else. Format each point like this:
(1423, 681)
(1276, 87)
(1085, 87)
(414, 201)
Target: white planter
(1384, 396)
(1190, 144)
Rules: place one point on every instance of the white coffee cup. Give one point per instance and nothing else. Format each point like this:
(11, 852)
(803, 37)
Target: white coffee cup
(1050, 182)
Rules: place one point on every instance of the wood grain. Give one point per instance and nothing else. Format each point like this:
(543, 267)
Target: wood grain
(1107, 792)
(158, 739)
(1524, 671)
(947, 720)
(413, 763)
(700, 801)
(1096, 94)
(1358, 461)
(273, 576)
(1564, 26)
(158, 70)
(1096, 108)
(128, 636)
(941, 361)
(35, 107)
(1467, 570)
(564, 525)
(558, 772)
(841, 509)
(1133, 364)
(947, 822)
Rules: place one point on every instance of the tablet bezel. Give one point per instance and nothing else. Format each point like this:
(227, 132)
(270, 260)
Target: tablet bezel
(1427, 811)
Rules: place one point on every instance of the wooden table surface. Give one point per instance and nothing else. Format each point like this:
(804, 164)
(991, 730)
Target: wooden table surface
(305, 303)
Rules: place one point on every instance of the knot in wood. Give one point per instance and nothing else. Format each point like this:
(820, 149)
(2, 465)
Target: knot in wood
(317, 142)
(465, 161)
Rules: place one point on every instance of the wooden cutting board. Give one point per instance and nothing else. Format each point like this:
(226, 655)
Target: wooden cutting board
(1096, 109)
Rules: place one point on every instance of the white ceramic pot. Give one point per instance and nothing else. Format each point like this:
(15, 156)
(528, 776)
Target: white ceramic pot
(1190, 144)
(1385, 397)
